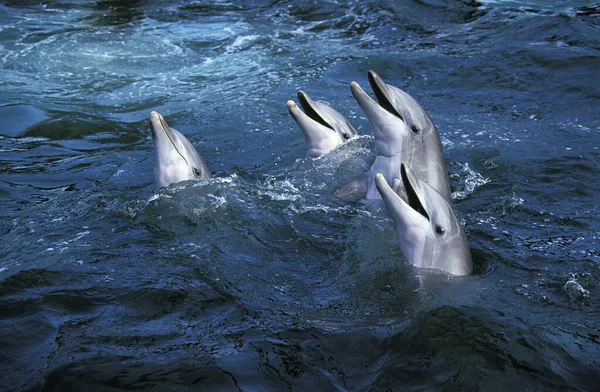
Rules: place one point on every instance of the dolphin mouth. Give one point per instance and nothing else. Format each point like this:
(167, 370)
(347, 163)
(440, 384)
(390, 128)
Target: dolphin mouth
(384, 98)
(413, 199)
(310, 109)
(158, 123)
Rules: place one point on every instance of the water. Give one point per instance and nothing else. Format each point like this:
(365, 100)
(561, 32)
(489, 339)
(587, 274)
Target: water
(260, 279)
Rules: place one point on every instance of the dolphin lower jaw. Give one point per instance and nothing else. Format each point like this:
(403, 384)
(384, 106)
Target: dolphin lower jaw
(315, 133)
(368, 105)
(306, 122)
(317, 147)
(412, 243)
(299, 116)
(320, 139)
(412, 231)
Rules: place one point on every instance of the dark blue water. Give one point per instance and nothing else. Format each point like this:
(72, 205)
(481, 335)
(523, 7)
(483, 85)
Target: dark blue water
(260, 279)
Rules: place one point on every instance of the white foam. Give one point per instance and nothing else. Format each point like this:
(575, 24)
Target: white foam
(241, 42)
(472, 180)
(575, 290)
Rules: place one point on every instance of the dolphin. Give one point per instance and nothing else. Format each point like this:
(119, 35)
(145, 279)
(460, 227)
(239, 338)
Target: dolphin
(324, 127)
(429, 234)
(175, 158)
(403, 133)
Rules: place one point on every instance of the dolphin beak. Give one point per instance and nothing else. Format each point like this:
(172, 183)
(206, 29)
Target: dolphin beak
(161, 133)
(371, 108)
(401, 212)
(381, 90)
(311, 122)
(404, 214)
(414, 193)
(311, 109)
(159, 126)
(307, 124)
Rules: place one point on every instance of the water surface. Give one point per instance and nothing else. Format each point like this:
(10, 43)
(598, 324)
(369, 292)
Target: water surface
(260, 279)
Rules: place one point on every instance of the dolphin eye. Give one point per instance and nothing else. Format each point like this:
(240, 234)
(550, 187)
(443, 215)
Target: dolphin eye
(415, 129)
(440, 230)
(196, 172)
(345, 136)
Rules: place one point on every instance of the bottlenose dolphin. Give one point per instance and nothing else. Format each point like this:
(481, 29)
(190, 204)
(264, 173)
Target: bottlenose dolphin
(403, 133)
(324, 127)
(175, 158)
(428, 232)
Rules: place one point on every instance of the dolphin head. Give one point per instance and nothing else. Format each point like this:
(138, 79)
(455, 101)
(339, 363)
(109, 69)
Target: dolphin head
(403, 105)
(388, 127)
(324, 127)
(175, 158)
(402, 128)
(399, 123)
(429, 234)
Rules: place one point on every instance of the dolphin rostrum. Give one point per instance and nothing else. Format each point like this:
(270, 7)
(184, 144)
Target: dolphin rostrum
(429, 234)
(404, 133)
(324, 127)
(175, 158)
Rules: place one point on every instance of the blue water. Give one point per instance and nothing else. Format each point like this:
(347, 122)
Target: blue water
(260, 279)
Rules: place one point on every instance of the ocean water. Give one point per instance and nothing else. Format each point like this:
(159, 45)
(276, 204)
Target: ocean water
(260, 279)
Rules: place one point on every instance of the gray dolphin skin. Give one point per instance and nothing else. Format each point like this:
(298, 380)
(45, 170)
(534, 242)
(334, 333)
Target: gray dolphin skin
(175, 158)
(324, 127)
(404, 133)
(428, 232)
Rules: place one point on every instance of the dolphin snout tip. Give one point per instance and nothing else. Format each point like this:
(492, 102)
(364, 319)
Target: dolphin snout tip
(291, 105)
(373, 76)
(356, 89)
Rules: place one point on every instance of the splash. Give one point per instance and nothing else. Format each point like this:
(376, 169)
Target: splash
(467, 181)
